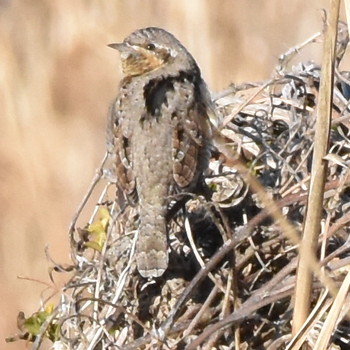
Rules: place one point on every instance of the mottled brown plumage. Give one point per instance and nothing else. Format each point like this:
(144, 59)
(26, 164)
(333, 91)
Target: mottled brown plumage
(161, 134)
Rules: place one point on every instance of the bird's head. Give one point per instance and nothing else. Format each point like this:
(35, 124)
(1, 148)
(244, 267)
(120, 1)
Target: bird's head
(149, 49)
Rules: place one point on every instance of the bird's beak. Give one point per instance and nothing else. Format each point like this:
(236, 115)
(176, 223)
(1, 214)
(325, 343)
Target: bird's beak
(118, 46)
(126, 51)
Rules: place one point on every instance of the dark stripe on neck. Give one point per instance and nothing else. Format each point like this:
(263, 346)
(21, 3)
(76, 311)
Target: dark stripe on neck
(155, 91)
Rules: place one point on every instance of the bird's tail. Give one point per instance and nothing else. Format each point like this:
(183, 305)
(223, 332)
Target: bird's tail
(152, 247)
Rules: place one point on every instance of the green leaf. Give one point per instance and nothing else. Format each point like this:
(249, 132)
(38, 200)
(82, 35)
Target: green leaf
(33, 323)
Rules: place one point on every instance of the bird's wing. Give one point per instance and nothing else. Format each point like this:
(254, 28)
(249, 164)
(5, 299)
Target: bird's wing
(190, 141)
(123, 165)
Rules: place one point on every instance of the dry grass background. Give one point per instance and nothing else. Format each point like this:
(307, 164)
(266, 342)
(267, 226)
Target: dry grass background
(57, 78)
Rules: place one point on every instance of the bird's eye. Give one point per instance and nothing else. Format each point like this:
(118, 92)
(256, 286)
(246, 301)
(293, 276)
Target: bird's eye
(150, 47)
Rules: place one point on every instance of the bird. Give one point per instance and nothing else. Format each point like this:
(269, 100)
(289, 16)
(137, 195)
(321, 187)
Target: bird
(161, 120)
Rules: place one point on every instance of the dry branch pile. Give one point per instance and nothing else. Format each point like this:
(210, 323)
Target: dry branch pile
(232, 270)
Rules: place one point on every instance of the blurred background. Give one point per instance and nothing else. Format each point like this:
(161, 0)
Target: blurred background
(57, 79)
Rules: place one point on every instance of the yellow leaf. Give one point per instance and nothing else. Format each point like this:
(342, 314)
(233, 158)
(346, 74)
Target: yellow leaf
(94, 245)
(49, 308)
(98, 230)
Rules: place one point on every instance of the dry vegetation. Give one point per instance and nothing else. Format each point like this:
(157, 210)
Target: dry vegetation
(56, 86)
